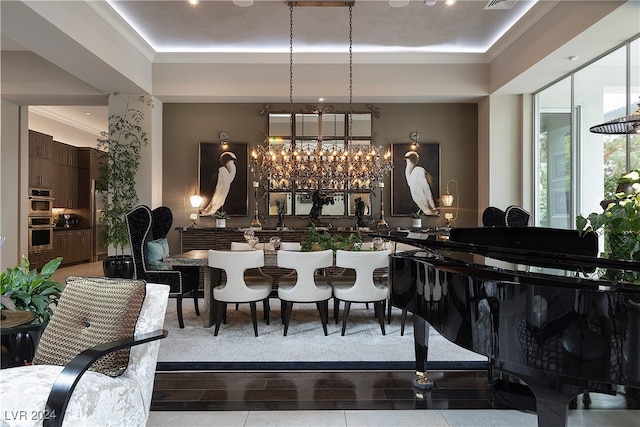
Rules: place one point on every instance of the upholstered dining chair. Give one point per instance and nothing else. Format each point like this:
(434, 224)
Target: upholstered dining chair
(363, 289)
(96, 361)
(235, 289)
(147, 238)
(307, 288)
(252, 275)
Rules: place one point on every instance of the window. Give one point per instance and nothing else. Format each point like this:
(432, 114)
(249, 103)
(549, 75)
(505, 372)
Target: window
(575, 168)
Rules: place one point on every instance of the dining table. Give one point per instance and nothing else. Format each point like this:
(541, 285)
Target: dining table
(213, 276)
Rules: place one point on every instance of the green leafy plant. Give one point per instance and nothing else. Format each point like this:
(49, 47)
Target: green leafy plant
(621, 216)
(417, 214)
(24, 289)
(323, 241)
(220, 214)
(119, 154)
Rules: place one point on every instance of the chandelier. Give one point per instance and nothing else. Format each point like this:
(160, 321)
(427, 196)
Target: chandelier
(312, 165)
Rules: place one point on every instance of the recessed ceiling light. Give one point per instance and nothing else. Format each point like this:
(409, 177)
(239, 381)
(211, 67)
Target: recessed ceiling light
(243, 3)
(194, 2)
(398, 3)
(320, 99)
(88, 113)
(573, 58)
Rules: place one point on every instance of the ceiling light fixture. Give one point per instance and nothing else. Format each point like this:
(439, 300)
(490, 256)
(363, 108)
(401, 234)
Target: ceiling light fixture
(314, 165)
(623, 126)
(194, 2)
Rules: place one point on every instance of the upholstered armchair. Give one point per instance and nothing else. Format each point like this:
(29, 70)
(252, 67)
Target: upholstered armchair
(147, 236)
(95, 364)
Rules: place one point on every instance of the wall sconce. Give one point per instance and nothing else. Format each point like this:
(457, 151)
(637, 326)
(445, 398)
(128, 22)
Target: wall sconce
(447, 200)
(195, 200)
(224, 139)
(415, 138)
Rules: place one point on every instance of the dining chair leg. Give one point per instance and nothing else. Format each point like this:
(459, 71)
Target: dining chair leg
(179, 310)
(195, 302)
(288, 305)
(324, 314)
(403, 319)
(389, 312)
(282, 310)
(379, 309)
(267, 309)
(222, 308)
(254, 317)
(345, 316)
(336, 309)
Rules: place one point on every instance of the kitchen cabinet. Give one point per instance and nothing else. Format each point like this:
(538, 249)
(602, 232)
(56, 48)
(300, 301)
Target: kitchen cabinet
(73, 246)
(40, 160)
(65, 173)
(39, 259)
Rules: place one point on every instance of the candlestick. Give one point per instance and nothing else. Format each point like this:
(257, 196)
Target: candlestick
(256, 221)
(382, 223)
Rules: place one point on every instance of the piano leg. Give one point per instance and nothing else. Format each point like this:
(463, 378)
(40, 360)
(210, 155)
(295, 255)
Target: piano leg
(551, 401)
(421, 339)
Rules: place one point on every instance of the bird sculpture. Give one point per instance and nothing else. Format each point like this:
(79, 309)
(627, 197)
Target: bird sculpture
(419, 181)
(226, 175)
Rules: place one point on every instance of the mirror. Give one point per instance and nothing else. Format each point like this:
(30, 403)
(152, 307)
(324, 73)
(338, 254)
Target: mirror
(318, 131)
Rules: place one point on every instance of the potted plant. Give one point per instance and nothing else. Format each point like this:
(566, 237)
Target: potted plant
(619, 221)
(22, 289)
(221, 218)
(28, 290)
(119, 154)
(417, 219)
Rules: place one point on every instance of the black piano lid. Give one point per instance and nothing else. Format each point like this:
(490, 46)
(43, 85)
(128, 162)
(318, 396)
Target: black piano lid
(533, 246)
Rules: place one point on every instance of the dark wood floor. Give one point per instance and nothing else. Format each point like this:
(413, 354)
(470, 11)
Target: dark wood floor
(317, 390)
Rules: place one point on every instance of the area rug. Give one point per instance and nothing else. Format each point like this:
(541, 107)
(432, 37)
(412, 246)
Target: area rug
(305, 345)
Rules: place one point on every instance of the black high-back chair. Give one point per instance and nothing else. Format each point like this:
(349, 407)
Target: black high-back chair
(145, 225)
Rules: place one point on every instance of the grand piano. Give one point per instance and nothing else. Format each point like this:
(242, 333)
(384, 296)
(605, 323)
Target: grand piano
(538, 302)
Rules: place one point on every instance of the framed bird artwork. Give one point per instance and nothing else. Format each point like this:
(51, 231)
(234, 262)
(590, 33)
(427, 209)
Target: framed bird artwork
(223, 178)
(415, 179)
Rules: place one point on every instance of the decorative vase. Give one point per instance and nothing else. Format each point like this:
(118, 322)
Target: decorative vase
(221, 222)
(118, 266)
(417, 222)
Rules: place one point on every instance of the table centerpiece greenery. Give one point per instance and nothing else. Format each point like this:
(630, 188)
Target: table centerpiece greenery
(319, 241)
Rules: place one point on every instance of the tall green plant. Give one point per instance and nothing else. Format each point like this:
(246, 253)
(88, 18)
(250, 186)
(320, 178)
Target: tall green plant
(119, 154)
(24, 289)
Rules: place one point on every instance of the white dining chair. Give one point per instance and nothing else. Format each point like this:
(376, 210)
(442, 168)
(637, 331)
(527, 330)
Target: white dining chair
(308, 287)
(235, 289)
(363, 289)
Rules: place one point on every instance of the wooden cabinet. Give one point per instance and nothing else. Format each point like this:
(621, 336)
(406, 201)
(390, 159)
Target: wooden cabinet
(39, 259)
(72, 245)
(65, 173)
(40, 160)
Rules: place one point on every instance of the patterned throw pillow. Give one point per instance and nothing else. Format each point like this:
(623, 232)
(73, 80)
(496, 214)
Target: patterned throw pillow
(92, 311)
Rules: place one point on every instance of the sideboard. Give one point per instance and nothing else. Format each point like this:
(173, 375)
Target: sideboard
(221, 238)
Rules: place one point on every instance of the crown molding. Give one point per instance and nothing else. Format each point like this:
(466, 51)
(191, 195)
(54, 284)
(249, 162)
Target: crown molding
(109, 14)
(45, 112)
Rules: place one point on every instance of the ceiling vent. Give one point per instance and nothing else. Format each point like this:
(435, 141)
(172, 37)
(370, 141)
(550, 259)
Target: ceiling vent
(499, 4)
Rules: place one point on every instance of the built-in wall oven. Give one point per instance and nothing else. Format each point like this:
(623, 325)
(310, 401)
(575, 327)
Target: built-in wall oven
(40, 220)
